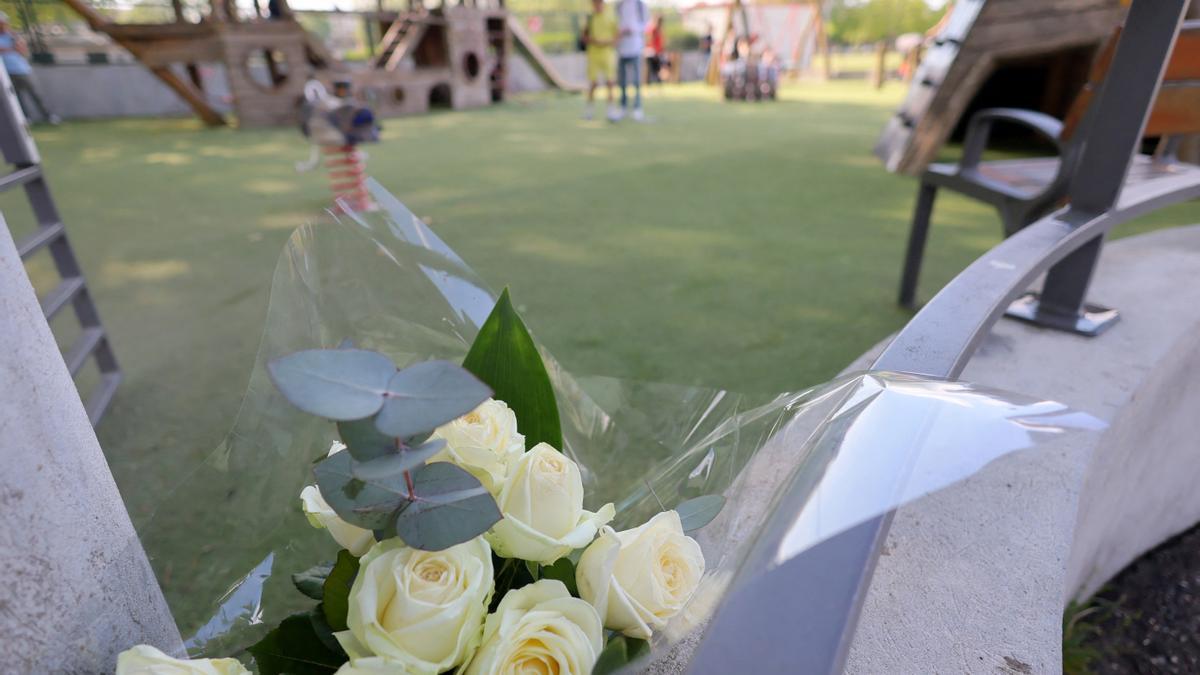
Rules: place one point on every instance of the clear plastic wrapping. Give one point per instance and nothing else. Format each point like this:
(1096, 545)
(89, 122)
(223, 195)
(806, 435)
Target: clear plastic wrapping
(232, 534)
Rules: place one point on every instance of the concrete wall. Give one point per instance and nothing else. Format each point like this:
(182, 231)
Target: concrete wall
(78, 588)
(87, 91)
(976, 576)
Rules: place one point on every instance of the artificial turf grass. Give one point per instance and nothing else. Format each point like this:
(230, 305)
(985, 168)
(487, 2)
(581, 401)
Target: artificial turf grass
(748, 246)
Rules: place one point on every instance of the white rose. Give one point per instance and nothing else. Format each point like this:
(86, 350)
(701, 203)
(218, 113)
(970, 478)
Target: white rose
(146, 660)
(540, 628)
(542, 503)
(422, 611)
(372, 665)
(485, 442)
(640, 578)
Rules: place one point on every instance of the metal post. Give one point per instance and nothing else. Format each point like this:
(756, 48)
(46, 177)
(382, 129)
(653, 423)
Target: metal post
(18, 148)
(1117, 121)
(916, 244)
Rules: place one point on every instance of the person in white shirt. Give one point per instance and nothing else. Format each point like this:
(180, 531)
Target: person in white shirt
(631, 19)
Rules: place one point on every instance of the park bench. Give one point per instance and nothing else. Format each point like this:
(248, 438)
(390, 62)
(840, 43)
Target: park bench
(1023, 190)
(801, 615)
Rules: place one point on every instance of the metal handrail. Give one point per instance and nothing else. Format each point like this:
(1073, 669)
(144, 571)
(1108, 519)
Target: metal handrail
(940, 340)
(806, 619)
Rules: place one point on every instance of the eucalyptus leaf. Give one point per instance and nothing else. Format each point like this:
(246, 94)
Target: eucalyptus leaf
(505, 357)
(336, 602)
(295, 648)
(563, 570)
(368, 504)
(698, 512)
(392, 465)
(364, 441)
(339, 384)
(451, 507)
(426, 395)
(312, 580)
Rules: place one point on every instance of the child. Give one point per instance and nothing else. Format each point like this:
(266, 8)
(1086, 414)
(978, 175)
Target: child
(600, 35)
(631, 16)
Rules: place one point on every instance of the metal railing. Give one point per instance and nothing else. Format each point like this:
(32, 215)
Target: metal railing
(809, 624)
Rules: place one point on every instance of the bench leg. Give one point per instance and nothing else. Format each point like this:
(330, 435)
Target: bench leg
(1061, 304)
(916, 244)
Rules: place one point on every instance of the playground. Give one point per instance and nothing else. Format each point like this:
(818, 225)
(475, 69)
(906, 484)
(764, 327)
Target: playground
(778, 236)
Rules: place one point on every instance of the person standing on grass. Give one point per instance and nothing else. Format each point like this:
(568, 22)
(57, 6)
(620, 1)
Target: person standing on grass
(706, 47)
(13, 52)
(631, 17)
(599, 38)
(656, 52)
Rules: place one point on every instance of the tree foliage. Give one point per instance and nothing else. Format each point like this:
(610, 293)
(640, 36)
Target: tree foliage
(863, 21)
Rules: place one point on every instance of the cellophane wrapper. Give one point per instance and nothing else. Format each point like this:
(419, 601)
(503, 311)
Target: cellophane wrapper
(835, 455)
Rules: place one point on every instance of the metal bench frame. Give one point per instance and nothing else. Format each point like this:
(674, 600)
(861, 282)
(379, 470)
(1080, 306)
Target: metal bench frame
(1020, 205)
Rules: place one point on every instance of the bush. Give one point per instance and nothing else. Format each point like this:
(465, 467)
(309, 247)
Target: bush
(680, 39)
(556, 42)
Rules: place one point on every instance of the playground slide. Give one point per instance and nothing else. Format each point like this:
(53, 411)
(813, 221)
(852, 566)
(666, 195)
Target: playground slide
(537, 58)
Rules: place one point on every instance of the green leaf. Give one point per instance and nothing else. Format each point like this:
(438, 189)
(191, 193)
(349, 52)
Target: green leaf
(613, 657)
(295, 648)
(323, 630)
(698, 512)
(618, 653)
(368, 504)
(636, 648)
(451, 507)
(563, 570)
(533, 570)
(426, 395)
(336, 602)
(390, 466)
(364, 441)
(510, 574)
(339, 384)
(312, 580)
(505, 357)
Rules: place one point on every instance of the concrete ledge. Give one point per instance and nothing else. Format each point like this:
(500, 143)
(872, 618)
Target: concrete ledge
(975, 577)
(78, 587)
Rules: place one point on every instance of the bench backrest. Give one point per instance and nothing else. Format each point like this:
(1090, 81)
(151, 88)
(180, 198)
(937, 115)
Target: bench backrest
(1176, 110)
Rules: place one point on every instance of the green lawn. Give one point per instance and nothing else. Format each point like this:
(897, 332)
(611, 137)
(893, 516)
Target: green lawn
(748, 246)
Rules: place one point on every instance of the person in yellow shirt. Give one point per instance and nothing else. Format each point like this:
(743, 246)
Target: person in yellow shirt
(600, 37)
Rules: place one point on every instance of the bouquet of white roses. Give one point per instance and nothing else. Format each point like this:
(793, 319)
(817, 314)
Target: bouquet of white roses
(491, 512)
(465, 541)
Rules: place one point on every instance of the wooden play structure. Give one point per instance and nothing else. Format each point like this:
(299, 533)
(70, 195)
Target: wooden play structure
(1019, 53)
(450, 56)
(794, 31)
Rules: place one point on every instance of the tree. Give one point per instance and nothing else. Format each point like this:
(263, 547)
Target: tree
(862, 21)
